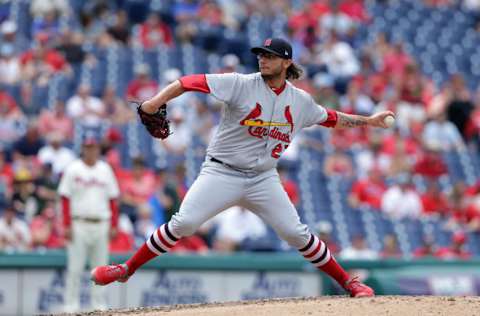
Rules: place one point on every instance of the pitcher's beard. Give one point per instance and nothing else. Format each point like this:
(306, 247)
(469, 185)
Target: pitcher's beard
(271, 76)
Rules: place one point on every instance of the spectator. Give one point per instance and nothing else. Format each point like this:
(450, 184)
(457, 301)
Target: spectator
(11, 121)
(123, 241)
(71, 46)
(413, 92)
(434, 202)
(230, 63)
(202, 122)
(177, 147)
(14, 232)
(145, 226)
(191, 244)
(46, 230)
(326, 94)
(56, 121)
(40, 62)
(136, 188)
(9, 107)
(459, 202)
(340, 61)
(428, 248)
(469, 213)
(142, 87)
(210, 26)
(400, 162)
(395, 61)
(165, 201)
(324, 230)
(336, 21)
(289, 185)
(371, 157)
(120, 28)
(24, 197)
(430, 163)
(339, 164)
(442, 134)
(117, 111)
(358, 250)
(85, 108)
(45, 187)
(456, 250)
(9, 65)
(355, 9)
(30, 144)
(110, 151)
(401, 200)
(390, 247)
(305, 18)
(355, 101)
(6, 177)
(56, 154)
(460, 106)
(41, 7)
(182, 102)
(154, 32)
(235, 225)
(369, 191)
(414, 89)
(408, 141)
(185, 10)
(47, 23)
(12, 40)
(472, 128)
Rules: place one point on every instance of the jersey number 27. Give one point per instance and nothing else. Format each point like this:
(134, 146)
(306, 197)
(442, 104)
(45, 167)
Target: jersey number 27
(277, 150)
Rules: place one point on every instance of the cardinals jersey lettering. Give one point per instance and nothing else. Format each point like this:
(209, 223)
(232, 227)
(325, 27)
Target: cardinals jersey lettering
(257, 124)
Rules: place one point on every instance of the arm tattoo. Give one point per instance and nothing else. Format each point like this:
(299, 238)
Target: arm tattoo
(348, 120)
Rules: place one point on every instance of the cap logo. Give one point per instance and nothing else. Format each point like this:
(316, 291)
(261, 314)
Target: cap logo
(268, 42)
(286, 53)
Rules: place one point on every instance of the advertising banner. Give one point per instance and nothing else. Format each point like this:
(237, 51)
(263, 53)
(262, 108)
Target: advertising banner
(40, 291)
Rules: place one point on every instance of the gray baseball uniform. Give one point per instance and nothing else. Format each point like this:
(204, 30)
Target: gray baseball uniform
(257, 125)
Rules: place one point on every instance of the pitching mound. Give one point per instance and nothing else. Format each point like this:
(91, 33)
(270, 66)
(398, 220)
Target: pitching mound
(329, 305)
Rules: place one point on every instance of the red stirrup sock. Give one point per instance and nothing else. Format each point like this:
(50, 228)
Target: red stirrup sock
(161, 241)
(317, 252)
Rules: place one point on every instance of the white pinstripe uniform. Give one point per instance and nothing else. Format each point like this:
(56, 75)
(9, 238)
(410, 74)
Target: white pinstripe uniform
(90, 189)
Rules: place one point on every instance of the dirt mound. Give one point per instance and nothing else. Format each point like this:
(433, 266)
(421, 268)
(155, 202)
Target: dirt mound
(328, 305)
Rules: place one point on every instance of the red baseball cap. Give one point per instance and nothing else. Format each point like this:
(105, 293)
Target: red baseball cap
(459, 237)
(90, 141)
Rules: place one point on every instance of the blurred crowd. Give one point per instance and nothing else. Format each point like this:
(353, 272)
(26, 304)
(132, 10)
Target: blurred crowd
(342, 72)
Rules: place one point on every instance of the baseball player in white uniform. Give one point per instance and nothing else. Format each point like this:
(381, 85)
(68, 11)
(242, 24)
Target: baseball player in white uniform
(88, 190)
(263, 112)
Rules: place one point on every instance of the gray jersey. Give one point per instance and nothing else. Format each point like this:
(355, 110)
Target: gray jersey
(257, 125)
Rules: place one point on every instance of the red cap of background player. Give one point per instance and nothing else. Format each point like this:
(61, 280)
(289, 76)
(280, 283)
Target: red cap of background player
(90, 141)
(276, 46)
(459, 237)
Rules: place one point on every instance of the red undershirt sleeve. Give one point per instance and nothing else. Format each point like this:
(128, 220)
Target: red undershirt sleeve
(195, 83)
(114, 210)
(67, 219)
(332, 118)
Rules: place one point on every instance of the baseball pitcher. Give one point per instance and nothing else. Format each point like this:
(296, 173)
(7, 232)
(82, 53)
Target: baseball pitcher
(263, 112)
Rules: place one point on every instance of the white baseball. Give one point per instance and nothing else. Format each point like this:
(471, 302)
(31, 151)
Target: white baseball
(389, 121)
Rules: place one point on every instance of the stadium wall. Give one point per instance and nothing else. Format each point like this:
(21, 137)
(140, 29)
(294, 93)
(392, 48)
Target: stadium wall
(35, 283)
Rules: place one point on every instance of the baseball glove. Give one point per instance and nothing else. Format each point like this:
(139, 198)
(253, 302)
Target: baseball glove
(156, 123)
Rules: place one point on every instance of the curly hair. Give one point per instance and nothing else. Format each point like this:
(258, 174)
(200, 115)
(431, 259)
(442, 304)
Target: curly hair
(294, 72)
